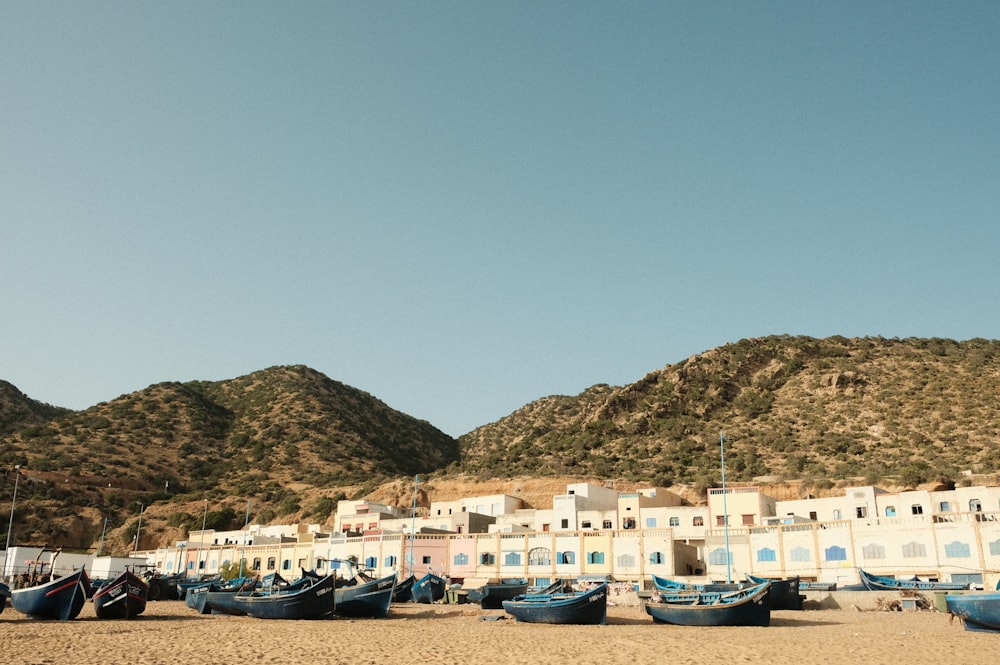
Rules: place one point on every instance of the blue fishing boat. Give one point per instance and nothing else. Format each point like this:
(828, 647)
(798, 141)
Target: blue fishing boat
(668, 585)
(428, 589)
(61, 598)
(880, 583)
(582, 607)
(784, 592)
(979, 612)
(4, 595)
(122, 598)
(368, 599)
(306, 598)
(403, 591)
(745, 607)
(491, 596)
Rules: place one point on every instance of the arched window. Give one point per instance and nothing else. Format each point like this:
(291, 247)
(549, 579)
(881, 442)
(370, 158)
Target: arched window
(766, 554)
(800, 554)
(718, 557)
(512, 559)
(873, 551)
(836, 553)
(539, 556)
(957, 550)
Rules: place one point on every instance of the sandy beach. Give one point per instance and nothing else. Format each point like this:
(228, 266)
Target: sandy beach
(171, 633)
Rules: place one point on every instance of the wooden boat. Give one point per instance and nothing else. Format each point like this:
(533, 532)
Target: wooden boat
(369, 599)
(817, 586)
(784, 592)
(428, 589)
(583, 607)
(745, 607)
(880, 583)
(307, 598)
(979, 612)
(665, 584)
(491, 596)
(4, 595)
(219, 599)
(61, 598)
(122, 598)
(402, 592)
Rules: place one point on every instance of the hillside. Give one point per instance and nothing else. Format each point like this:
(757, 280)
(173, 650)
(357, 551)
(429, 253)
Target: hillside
(790, 407)
(807, 413)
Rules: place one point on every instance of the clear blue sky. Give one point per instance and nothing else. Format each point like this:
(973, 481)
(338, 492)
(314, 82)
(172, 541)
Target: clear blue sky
(461, 207)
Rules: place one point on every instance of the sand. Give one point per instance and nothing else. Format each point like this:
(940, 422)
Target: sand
(171, 633)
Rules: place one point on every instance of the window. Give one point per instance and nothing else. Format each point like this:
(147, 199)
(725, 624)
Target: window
(626, 561)
(944, 507)
(565, 557)
(425, 559)
(914, 550)
(512, 559)
(836, 553)
(595, 557)
(487, 559)
(271, 561)
(975, 506)
(656, 558)
(800, 554)
(256, 563)
(190, 565)
(697, 520)
(748, 520)
(812, 515)
(718, 557)
(371, 562)
(766, 554)
(675, 521)
(890, 511)
(917, 509)
(837, 514)
(628, 523)
(720, 520)
(461, 559)
(564, 524)
(957, 550)
(606, 524)
(872, 551)
(539, 556)
(286, 564)
(585, 524)
(861, 512)
(390, 561)
(650, 522)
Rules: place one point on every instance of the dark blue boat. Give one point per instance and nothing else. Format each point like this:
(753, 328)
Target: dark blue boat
(582, 607)
(784, 592)
(122, 598)
(61, 598)
(491, 596)
(4, 595)
(403, 591)
(307, 598)
(428, 589)
(664, 584)
(979, 612)
(745, 607)
(880, 583)
(370, 599)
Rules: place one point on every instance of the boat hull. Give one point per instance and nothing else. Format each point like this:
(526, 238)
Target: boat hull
(312, 601)
(428, 589)
(784, 592)
(879, 583)
(368, 600)
(60, 599)
(979, 612)
(122, 598)
(403, 591)
(750, 607)
(586, 607)
(491, 596)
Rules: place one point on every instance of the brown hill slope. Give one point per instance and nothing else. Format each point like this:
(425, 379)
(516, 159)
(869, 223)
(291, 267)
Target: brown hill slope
(791, 407)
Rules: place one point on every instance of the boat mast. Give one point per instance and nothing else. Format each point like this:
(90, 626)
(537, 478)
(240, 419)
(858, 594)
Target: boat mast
(725, 509)
(246, 527)
(138, 529)
(413, 519)
(100, 547)
(10, 524)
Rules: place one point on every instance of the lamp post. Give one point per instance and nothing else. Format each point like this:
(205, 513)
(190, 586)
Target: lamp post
(10, 524)
(204, 519)
(725, 509)
(138, 528)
